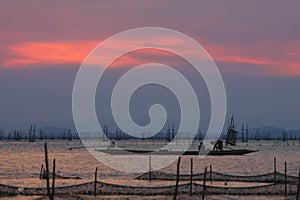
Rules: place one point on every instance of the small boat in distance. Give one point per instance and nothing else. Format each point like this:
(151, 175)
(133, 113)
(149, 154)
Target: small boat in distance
(218, 149)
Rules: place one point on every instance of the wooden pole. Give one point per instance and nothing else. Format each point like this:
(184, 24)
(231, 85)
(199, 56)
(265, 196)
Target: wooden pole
(177, 178)
(298, 190)
(47, 171)
(53, 179)
(95, 183)
(41, 171)
(210, 173)
(275, 170)
(204, 182)
(285, 179)
(150, 175)
(191, 178)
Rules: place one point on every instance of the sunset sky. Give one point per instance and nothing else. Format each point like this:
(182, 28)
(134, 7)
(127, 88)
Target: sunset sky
(255, 44)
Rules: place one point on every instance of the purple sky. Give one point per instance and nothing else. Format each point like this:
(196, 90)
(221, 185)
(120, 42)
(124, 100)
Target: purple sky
(256, 45)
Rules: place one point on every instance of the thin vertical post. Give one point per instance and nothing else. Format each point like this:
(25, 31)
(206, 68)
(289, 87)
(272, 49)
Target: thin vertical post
(210, 173)
(285, 179)
(150, 175)
(95, 182)
(53, 179)
(204, 183)
(41, 171)
(177, 178)
(275, 170)
(191, 178)
(298, 190)
(47, 171)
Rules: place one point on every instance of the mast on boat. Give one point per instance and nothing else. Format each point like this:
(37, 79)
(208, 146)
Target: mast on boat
(231, 133)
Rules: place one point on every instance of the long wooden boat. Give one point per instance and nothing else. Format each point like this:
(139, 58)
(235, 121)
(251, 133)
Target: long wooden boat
(231, 138)
(166, 152)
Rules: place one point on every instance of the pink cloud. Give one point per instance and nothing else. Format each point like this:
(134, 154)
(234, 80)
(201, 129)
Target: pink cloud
(32, 53)
(26, 54)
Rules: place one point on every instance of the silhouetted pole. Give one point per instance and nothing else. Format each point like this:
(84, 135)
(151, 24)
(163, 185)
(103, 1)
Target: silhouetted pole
(41, 171)
(177, 177)
(150, 178)
(95, 183)
(275, 170)
(53, 179)
(285, 179)
(298, 190)
(204, 182)
(191, 178)
(210, 173)
(47, 171)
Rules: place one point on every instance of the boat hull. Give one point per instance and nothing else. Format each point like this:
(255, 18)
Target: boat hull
(166, 152)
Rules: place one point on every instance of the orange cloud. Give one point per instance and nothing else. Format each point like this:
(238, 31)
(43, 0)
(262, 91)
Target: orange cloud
(28, 54)
(32, 53)
(275, 61)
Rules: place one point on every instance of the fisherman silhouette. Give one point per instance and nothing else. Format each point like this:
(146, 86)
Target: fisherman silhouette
(218, 146)
(199, 147)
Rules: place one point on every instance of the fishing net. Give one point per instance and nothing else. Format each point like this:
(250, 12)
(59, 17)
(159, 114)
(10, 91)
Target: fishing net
(216, 176)
(114, 189)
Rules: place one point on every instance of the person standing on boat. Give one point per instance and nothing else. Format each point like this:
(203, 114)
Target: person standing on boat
(200, 145)
(218, 146)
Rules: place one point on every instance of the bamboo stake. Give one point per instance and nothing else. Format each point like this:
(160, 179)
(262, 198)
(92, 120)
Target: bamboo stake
(47, 171)
(210, 173)
(53, 179)
(204, 182)
(95, 183)
(177, 178)
(275, 170)
(41, 171)
(285, 179)
(191, 178)
(150, 175)
(298, 190)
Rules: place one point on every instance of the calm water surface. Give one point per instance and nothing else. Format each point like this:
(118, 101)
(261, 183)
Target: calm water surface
(20, 162)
